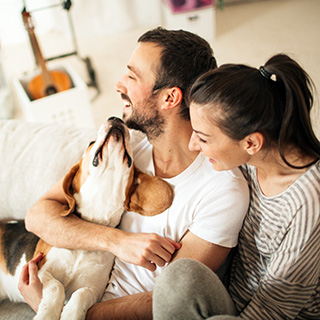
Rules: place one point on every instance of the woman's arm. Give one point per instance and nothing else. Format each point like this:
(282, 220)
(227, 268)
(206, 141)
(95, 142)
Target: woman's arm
(29, 284)
(291, 276)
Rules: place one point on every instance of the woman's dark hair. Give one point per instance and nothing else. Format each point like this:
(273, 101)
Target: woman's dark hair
(274, 100)
(184, 57)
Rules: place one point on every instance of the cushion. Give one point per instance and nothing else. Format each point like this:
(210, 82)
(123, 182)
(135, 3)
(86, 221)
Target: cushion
(15, 311)
(33, 156)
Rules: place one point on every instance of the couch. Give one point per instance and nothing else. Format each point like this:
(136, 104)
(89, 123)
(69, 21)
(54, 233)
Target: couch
(33, 156)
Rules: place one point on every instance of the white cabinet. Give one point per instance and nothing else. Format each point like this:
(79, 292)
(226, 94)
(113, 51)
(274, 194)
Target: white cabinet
(200, 21)
(70, 107)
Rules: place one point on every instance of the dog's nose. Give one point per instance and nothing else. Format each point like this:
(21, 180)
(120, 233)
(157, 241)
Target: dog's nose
(115, 119)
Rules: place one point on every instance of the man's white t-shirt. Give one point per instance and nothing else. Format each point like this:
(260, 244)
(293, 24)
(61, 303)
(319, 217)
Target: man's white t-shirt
(210, 204)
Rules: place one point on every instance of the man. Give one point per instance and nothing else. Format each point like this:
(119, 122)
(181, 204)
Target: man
(206, 215)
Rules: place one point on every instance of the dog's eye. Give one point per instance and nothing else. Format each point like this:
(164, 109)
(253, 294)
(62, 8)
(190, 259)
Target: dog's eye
(86, 149)
(91, 143)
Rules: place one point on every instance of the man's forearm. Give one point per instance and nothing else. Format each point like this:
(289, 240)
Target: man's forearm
(45, 220)
(137, 306)
(70, 232)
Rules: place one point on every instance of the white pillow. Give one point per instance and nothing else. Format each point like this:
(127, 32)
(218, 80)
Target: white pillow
(33, 157)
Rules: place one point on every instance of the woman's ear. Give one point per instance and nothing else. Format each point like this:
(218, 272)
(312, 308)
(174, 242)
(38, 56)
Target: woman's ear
(253, 143)
(172, 98)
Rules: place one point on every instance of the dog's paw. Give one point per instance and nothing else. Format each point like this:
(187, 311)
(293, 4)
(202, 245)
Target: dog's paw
(47, 316)
(72, 313)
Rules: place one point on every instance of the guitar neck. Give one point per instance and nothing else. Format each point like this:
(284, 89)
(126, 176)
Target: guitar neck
(39, 59)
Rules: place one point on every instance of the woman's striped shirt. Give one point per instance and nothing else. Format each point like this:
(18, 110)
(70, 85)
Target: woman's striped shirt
(277, 270)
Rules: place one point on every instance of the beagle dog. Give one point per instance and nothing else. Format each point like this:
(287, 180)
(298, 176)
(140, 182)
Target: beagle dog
(98, 189)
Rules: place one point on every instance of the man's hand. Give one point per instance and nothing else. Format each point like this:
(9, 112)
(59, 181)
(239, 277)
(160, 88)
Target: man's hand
(147, 250)
(29, 284)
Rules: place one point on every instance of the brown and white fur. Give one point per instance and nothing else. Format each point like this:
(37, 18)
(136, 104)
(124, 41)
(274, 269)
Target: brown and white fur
(98, 188)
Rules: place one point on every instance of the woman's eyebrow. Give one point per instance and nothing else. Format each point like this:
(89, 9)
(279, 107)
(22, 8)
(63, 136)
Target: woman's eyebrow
(199, 132)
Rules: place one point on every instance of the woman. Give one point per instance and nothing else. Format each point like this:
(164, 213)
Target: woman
(259, 119)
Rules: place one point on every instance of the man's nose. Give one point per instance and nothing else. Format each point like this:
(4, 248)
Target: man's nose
(120, 87)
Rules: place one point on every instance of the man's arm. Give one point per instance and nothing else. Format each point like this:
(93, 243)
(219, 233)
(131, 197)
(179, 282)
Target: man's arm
(139, 306)
(45, 220)
(210, 254)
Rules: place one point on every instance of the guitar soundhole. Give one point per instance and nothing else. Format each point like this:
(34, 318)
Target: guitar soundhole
(51, 90)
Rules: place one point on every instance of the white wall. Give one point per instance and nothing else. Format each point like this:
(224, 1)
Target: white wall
(90, 17)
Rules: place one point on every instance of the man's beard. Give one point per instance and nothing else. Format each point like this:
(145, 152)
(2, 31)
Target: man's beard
(151, 122)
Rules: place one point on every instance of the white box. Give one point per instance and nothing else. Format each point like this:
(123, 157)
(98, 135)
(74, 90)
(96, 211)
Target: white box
(201, 21)
(70, 107)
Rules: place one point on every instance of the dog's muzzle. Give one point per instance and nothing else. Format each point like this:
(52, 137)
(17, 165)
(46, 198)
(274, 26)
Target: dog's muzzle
(118, 132)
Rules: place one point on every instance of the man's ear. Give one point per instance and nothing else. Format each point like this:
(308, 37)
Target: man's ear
(172, 98)
(253, 143)
(68, 189)
(148, 195)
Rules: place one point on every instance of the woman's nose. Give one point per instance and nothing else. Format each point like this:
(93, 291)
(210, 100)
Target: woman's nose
(193, 144)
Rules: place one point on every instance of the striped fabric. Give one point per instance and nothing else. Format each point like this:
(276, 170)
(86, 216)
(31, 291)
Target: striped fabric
(276, 274)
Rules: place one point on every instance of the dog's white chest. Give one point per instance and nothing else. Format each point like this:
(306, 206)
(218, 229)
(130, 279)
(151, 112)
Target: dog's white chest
(101, 200)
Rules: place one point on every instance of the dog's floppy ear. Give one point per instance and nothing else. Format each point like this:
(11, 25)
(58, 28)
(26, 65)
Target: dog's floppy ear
(68, 189)
(148, 195)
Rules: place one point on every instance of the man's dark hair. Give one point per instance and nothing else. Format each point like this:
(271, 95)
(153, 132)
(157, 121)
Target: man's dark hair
(184, 57)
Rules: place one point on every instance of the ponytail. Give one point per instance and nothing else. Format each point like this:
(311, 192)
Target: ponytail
(296, 128)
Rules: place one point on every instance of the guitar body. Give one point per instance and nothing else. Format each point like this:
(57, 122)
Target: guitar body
(38, 88)
(48, 82)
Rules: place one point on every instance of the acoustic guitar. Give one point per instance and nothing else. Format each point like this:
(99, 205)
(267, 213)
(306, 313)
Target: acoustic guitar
(47, 82)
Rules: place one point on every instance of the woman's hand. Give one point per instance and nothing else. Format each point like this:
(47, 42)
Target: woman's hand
(29, 284)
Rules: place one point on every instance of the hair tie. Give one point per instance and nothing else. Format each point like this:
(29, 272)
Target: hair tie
(268, 75)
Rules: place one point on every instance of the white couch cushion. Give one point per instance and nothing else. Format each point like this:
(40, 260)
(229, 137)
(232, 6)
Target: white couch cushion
(33, 157)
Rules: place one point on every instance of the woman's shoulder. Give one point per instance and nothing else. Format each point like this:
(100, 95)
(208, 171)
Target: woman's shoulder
(309, 182)
(248, 171)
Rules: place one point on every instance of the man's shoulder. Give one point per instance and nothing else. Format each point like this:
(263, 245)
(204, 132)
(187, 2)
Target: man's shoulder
(225, 175)
(211, 183)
